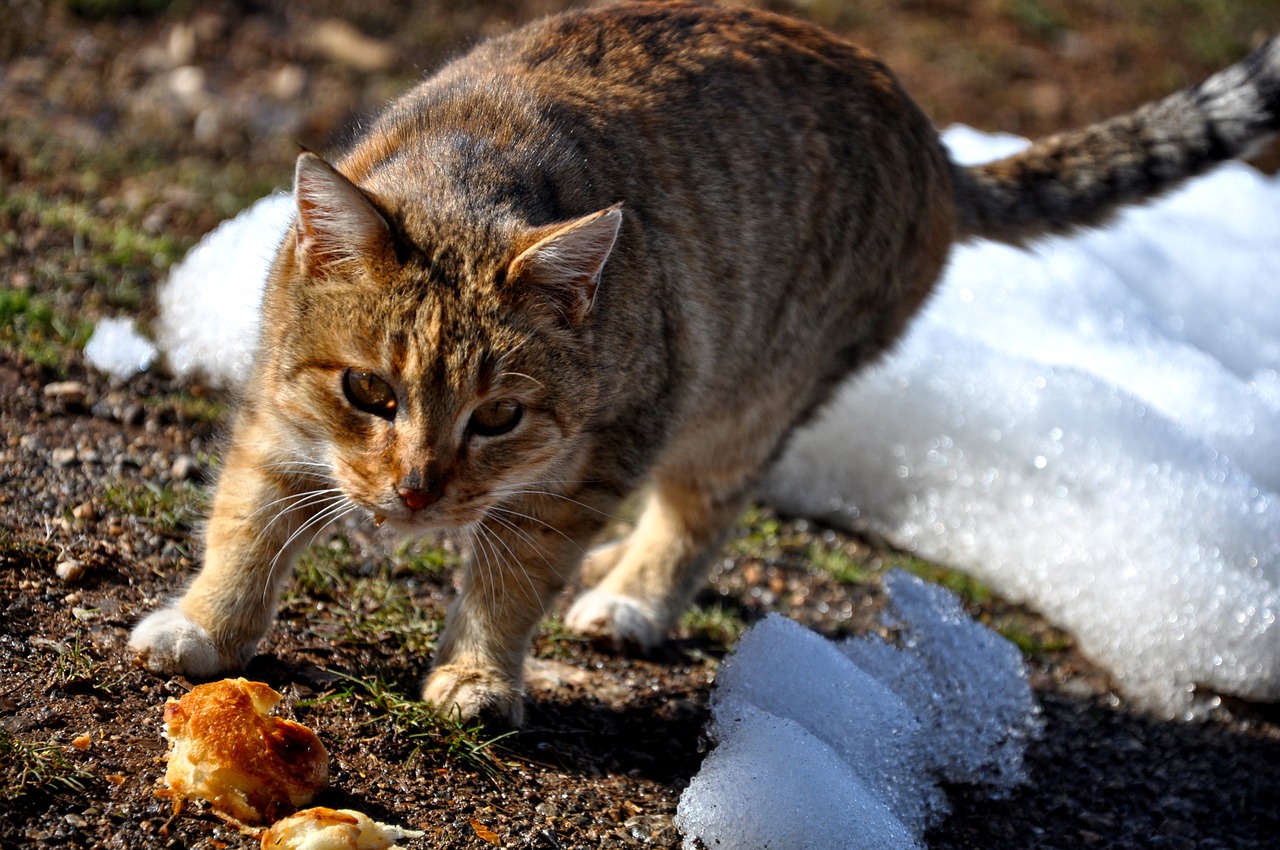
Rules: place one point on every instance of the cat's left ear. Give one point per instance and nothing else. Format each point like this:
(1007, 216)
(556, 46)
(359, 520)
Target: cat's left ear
(337, 223)
(565, 260)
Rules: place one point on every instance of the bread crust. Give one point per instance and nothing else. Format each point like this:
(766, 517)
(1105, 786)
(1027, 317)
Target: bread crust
(229, 750)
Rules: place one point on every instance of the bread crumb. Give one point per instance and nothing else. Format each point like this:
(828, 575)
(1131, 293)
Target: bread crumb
(320, 828)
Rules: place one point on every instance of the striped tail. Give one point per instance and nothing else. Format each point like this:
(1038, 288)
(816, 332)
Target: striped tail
(1080, 177)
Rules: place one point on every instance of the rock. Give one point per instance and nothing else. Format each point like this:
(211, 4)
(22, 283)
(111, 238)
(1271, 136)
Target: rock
(184, 468)
(71, 393)
(187, 85)
(341, 42)
(62, 457)
(70, 570)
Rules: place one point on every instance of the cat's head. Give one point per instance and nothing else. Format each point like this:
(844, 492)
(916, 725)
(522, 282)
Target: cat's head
(430, 371)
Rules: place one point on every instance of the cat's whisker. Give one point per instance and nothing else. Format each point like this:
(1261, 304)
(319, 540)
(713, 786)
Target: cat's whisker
(533, 545)
(347, 508)
(529, 541)
(299, 500)
(297, 455)
(531, 518)
(551, 494)
(517, 564)
(523, 375)
(334, 508)
(321, 470)
(483, 543)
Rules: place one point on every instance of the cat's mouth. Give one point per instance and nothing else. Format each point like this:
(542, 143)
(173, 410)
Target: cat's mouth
(434, 518)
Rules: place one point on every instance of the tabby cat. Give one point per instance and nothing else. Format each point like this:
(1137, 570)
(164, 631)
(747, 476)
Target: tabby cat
(632, 245)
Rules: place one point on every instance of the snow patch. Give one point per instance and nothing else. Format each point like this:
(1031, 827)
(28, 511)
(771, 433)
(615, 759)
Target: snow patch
(209, 307)
(1092, 427)
(116, 347)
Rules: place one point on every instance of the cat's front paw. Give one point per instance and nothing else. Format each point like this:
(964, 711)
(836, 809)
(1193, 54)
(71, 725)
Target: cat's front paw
(467, 693)
(167, 642)
(621, 620)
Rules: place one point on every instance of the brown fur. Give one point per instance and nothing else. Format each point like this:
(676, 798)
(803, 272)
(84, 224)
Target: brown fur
(664, 232)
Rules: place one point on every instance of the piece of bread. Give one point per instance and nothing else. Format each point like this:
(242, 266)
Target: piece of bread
(227, 749)
(333, 829)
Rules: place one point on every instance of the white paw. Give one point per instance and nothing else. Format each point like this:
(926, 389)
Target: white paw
(167, 642)
(621, 619)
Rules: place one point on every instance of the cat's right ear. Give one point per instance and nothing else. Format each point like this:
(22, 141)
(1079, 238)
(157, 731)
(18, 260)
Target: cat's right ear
(337, 224)
(564, 263)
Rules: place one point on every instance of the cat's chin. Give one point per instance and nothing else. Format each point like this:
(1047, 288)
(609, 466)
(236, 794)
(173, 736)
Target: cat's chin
(410, 525)
(422, 522)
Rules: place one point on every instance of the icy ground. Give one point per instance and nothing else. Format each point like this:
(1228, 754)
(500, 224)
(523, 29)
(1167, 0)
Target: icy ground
(824, 745)
(1092, 427)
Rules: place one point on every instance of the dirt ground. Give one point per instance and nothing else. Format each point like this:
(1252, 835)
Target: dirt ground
(128, 128)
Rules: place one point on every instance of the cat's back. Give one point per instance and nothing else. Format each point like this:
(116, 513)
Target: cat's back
(666, 86)
(654, 53)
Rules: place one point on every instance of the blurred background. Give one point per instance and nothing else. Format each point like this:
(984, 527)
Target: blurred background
(149, 121)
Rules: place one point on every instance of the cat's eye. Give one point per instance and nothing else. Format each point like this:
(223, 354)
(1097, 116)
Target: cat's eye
(495, 418)
(370, 393)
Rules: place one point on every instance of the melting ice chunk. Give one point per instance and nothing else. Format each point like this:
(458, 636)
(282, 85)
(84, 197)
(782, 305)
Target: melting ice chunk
(824, 745)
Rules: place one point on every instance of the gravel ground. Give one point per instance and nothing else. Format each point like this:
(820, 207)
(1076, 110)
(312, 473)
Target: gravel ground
(128, 129)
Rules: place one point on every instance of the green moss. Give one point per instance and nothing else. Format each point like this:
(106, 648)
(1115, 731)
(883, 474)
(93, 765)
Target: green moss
(716, 623)
(166, 508)
(17, 553)
(758, 533)
(111, 239)
(969, 589)
(27, 768)
(199, 408)
(371, 610)
(1035, 18)
(423, 556)
(839, 564)
(1032, 639)
(324, 572)
(32, 325)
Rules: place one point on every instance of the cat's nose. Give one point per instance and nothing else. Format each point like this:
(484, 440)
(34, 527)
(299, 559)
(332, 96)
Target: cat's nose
(417, 493)
(415, 499)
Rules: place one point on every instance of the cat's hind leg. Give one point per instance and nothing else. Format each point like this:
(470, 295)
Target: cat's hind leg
(601, 560)
(658, 568)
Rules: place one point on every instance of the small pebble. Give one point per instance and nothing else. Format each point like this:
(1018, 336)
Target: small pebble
(185, 467)
(62, 457)
(70, 570)
(67, 392)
